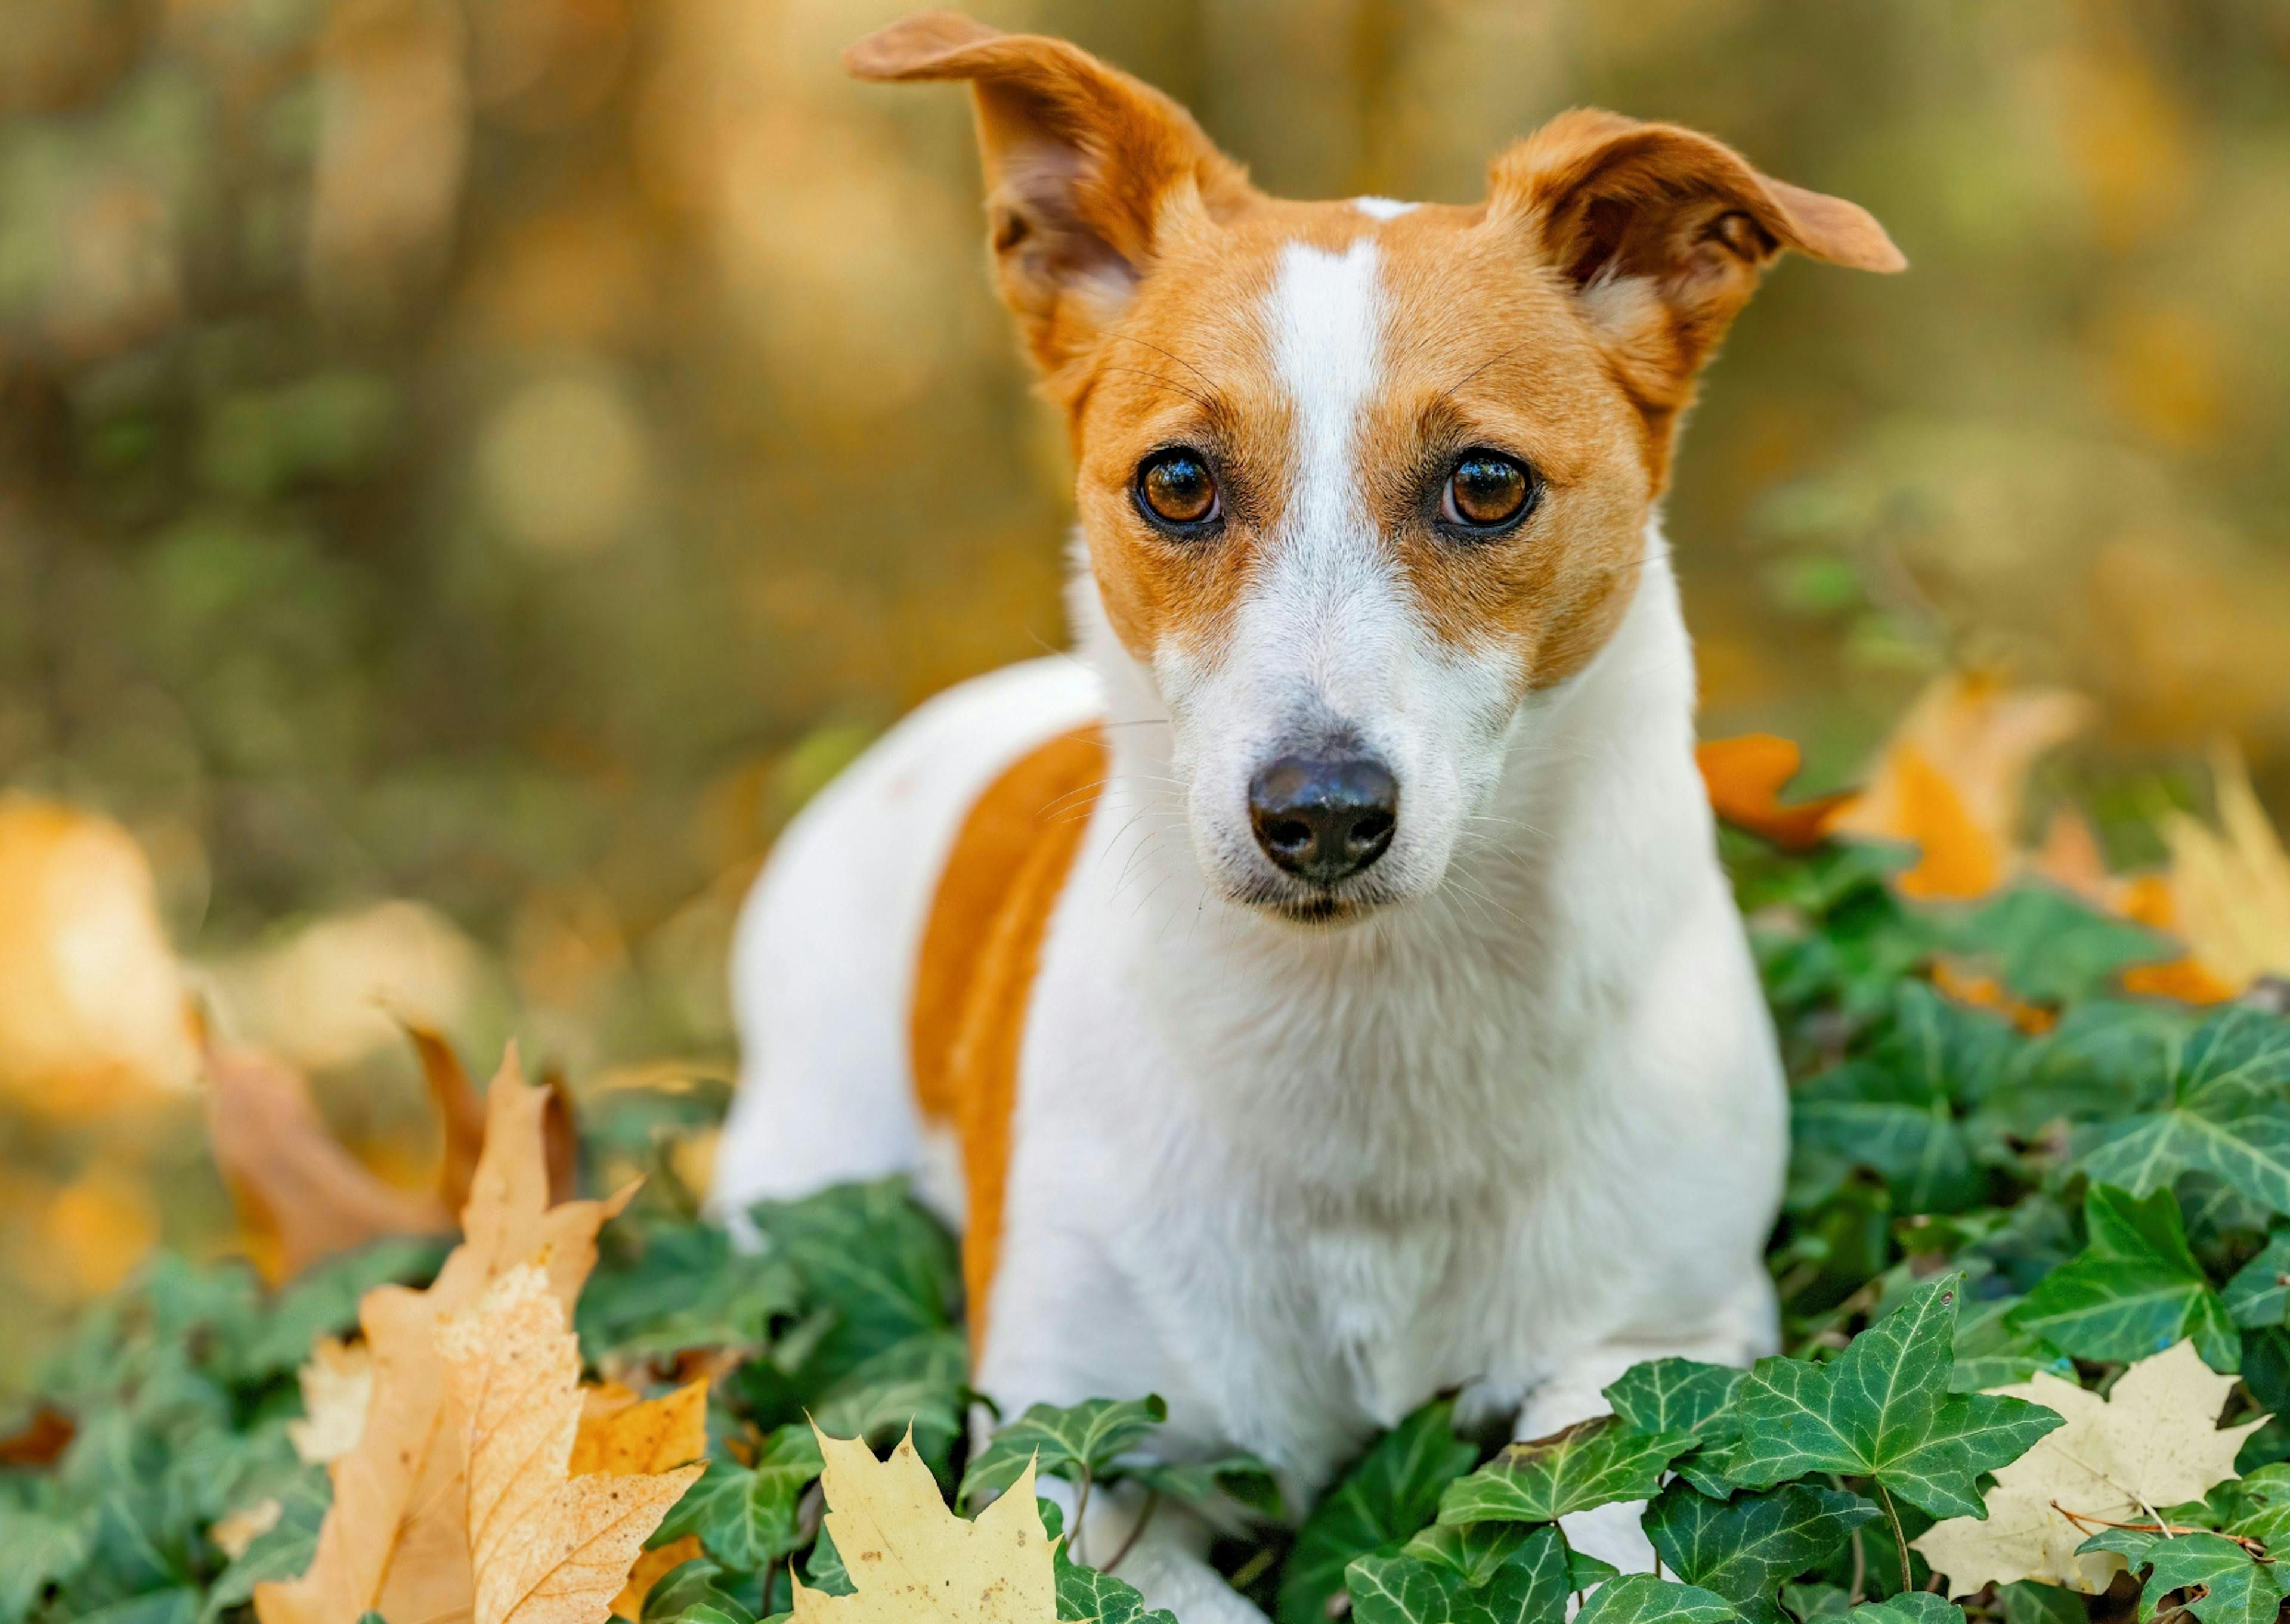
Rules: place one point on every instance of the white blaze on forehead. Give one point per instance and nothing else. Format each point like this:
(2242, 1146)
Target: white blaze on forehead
(1326, 320)
(1383, 208)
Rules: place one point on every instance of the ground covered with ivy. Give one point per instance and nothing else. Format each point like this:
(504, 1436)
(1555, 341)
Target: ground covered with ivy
(2026, 1173)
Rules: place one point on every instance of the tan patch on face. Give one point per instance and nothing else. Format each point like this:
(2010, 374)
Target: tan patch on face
(1479, 349)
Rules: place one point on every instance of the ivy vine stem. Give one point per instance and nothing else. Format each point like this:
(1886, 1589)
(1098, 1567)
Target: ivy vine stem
(1900, 1538)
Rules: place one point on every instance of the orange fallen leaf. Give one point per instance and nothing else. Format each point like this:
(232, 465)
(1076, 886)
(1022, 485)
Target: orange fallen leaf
(623, 1434)
(1951, 780)
(545, 1548)
(1745, 777)
(462, 1117)
(1986, 992)
(302, 1194)
(397, 1539)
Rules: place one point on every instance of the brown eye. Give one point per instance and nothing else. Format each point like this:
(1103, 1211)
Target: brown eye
(1176, 491)
(1486, 492)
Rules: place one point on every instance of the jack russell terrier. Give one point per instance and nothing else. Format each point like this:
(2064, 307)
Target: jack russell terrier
(1321, 990)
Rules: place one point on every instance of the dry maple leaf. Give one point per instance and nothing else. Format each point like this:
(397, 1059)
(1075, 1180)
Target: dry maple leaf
(462, 1119)
(912, 1561)
(1745, 777)
(621, 1433)
(337, 1386)
(1950, 780)
(544, 1548)
(2155, 1441)
(395, 1541)
(303, 1196)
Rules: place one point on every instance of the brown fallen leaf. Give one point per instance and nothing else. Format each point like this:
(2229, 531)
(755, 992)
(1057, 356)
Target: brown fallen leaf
(462, 1119)
(1951, 780)
(624, 1434)
(1745, 777)
(303, 1195)
(545, 1548)
(912, 1561)
(2153, 1441)
(45, 1434)
(397, 1539)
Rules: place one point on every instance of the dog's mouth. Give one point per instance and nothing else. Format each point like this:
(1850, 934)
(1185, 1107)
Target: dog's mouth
(1316, 906)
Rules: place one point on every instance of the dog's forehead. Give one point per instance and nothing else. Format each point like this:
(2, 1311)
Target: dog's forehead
(1423, 291)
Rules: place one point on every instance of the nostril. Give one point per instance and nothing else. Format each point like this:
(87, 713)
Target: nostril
(1288, 834)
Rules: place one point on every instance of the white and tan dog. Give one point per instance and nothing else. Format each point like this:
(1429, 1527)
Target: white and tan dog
(1322, 991)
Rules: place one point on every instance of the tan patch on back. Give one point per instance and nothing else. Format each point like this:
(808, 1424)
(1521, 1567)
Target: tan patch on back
(981, 949)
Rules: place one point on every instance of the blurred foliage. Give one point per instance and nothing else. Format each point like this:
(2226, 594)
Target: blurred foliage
(508, 453)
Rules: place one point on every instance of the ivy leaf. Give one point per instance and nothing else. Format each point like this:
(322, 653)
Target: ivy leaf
(1893, 1108)
(1743, 1548)
(2258, 1295)
(2030, 1602)
(1641, 1599)
(2235, 1589)
(1474, 1550)
(871, 1254)
(2222, 1115)
(1241, 1478)
(1883, 1410)
(1676, 1396)
(917, 1383)
(1592, 1463)
(1529, 1585)
(1077, 1442)
(43, 1549)
(2134, 1290)
(1391, 1492)
(2262, 1507)
(2104, 1061)
(2050, 949)
(687, 1593)
(1909, 1607)
(745, 1515)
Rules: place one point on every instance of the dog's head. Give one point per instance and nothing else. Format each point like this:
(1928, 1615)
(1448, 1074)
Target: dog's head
(1357, 478)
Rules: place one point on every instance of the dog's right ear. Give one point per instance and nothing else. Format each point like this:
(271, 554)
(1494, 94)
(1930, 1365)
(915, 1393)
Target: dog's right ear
(1088, 170)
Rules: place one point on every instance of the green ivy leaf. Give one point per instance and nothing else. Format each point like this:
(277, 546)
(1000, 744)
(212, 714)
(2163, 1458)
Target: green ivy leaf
(917, 1383)
(1592, 1463)
(1529, 1585)
(1391, 1492)
(43, 1548)
(1883, 1410)
(1743, 1548)
(1911, 1607)
(745, 1515)
(688, 1594)
(2104, 1061)
(322, 1301)
(1241, 1478)
(1641, 1599)
(2134, 1290)
(2051, 948)
(1475, 1550)
(2261, 1509)
(1078, 1441)
(2030, 1602)
(868, 1252)
(2235, 1589)
(2258, 1295)
(1676, 1396)
(2223, 1115)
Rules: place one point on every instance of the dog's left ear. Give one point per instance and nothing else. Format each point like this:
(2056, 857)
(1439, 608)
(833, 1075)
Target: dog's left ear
(1663, 234)
(1089, 172)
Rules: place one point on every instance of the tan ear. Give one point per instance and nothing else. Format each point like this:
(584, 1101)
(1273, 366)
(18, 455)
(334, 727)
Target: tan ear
(1088, 169)
(1663, 233)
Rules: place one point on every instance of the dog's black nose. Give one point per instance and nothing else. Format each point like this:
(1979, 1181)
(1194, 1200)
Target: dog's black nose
(1323, 819)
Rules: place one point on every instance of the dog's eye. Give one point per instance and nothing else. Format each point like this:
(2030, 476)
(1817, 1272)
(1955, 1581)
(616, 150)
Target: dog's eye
(1176, 492)
(1486, 492)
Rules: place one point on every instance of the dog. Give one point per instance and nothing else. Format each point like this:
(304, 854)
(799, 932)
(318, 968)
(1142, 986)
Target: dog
(1319, 991)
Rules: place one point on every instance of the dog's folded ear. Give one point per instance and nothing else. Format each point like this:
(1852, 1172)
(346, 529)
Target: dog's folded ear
(1089, 172)
(1664, 232)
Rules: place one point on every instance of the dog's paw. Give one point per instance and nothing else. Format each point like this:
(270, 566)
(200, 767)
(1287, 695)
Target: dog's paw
(1187, 1586)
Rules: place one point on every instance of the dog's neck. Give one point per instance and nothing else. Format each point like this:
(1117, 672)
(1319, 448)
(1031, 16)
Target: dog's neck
(1435, 1029)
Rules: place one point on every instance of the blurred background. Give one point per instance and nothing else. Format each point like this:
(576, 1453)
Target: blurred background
(471, 468)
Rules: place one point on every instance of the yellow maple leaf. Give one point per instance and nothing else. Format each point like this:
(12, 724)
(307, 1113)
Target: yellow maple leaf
(545, 1548)
(2230, 889)
(912, 1561)
(2154, 1441)
(395, 1541)
(621, 1433)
